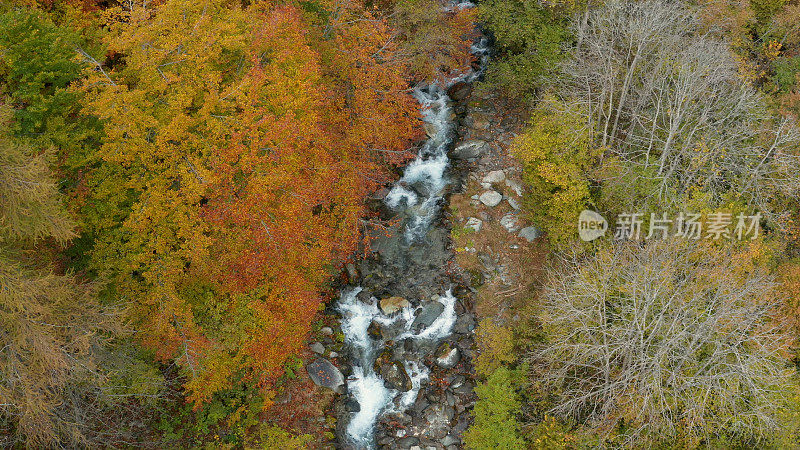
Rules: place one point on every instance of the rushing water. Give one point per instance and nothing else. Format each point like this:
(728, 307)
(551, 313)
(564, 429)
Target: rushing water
(418, 197)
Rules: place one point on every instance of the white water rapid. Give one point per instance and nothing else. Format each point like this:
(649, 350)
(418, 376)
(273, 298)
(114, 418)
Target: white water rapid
(418, 196)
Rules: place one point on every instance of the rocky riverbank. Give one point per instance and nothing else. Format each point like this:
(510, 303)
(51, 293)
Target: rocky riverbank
(419, 296)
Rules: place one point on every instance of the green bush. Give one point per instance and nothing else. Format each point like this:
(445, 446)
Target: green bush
(496, 425)
(528, 39)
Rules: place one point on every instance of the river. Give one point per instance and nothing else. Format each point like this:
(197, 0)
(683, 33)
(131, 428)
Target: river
(410, 267)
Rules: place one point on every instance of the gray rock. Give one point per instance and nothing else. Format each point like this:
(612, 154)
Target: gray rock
(510, 222)
(474, 223)
(317, 348)
(449, 440)
(427, 315)
(469, 150)
(491, 198)
(408, 442)
(513, 202)
(395, 375)
(327, 331)
(495, 176)
(530, 233)
(352, 273)
(391, 305)
(352, 405)
(430, 129)
(514, 186)
(464, 324)
(323, 373)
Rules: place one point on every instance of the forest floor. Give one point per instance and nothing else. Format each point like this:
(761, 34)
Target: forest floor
(497, 249)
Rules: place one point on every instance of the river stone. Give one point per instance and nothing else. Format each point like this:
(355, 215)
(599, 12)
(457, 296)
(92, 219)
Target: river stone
(459, 91)
(495, 176)
(391, 305)
(427, 315)
(480, 122)
(474, 223)
(510, 222)
(317, 348)
(364, 297)
(352, 405)
(327, 331)
(323, 373)
(464, 324)
(430, 129)
(530, 233)
(447, 356)
(513, 202)
(395, 375)
(352, 273)
(374, 330)
(469, 149)
(491, 198)
(449, 440)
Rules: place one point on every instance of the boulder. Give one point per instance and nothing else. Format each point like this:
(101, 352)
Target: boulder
(469, 150)
(317, 348)
(374, 331)
(427, 315)
(447, 356)
(464, 324)
(480, 122)
(510, 222)
(352, 273)
(364, 297)
(495, 176)
(491, 198)
(474, 223)
(352, 405)
(430, 129)
(530, 233)
(459, 91)
(323, 373)
(391, 305)
(394, 374)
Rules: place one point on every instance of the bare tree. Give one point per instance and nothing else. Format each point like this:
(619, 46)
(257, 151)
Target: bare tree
(666, 338)
(669, 103)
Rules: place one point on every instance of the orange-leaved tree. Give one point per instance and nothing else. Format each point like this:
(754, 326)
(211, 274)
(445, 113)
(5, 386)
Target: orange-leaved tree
(240, 144)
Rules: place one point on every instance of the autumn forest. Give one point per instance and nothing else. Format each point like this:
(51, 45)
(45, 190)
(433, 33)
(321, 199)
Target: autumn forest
(415, 224)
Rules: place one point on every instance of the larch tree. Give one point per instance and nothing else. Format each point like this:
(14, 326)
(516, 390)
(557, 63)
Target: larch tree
(52, 328)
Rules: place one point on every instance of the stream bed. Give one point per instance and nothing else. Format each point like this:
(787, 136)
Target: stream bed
(407, 335)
